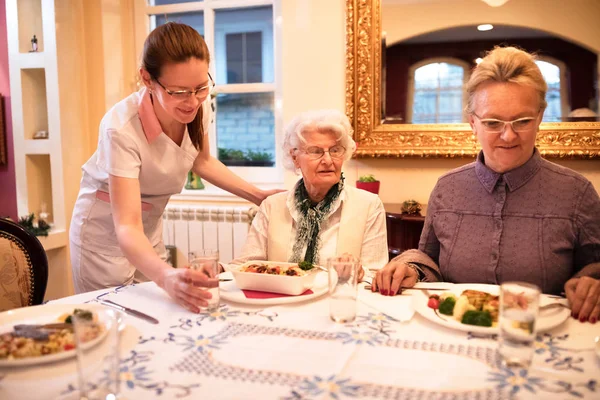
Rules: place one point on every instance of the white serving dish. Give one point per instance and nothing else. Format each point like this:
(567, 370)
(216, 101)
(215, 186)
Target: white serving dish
(283, 284)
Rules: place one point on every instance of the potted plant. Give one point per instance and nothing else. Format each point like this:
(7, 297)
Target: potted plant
(368, 183)
(239, 158)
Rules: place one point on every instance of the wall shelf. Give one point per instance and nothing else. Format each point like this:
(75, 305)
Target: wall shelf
(37, 146)
(39, 183)
(54, 240)
(30, 60)
(29, 14)
(35, 107)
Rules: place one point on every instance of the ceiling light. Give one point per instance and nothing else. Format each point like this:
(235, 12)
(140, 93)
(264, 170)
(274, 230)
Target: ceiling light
(485, 27)
(494, 3)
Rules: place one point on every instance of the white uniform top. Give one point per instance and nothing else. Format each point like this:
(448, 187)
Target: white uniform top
(131, 144)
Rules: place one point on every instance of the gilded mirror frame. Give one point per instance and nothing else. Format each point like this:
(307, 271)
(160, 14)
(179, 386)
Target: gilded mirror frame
(579, 140)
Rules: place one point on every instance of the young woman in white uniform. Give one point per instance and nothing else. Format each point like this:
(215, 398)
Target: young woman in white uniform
(147, 144)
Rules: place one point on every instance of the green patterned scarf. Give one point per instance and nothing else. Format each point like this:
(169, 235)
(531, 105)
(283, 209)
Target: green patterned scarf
(309, 222)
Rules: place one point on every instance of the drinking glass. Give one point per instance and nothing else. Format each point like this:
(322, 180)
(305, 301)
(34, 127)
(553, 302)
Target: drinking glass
(97, 348)
(343, 287)
(519, 309)
(207, 260)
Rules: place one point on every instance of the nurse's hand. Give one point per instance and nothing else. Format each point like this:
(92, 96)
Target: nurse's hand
(266, 193)
(185, 286)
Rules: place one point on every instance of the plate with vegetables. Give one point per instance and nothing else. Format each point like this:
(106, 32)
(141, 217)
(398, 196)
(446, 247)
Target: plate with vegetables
(42, 334)
(475, 307)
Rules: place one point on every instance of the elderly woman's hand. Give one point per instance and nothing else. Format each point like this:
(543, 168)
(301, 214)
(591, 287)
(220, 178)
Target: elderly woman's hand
(184, 286)
(584, 295)
(391, 278)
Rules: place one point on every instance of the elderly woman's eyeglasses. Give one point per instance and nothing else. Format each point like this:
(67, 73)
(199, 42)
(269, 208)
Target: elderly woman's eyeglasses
(520, 125)
(315, 152)
(186, 94)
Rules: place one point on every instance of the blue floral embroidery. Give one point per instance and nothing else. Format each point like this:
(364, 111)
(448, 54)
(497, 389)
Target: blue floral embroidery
(201, 343)
(358, 337)
(138, 377)
(334, 387)
(515, 381)
(507, 378)
(224, 313)
(378, 322)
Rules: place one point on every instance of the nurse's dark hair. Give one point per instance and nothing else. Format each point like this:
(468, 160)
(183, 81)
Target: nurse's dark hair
(173, 43)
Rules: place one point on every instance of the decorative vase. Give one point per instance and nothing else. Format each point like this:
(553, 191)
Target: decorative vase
(194, 182)
(372, 187)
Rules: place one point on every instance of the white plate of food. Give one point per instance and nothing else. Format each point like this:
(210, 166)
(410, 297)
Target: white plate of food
(25, 347)
(480, 308)
(272, 277)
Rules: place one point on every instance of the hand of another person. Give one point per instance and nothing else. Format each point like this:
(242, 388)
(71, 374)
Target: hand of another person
(184, 286)
(391, 278)
(266, 193)
(584, 295)
(344, 270)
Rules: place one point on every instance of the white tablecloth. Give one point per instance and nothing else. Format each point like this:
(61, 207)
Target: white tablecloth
(296, 352)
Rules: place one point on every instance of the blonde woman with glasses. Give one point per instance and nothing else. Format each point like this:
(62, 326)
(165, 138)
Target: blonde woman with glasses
(510, 215)
(321, 216)
(147, 144)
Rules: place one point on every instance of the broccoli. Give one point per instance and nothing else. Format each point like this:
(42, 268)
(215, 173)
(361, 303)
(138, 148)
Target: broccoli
(447, 306)
(305, 265)
(83, 314)
(477, 318)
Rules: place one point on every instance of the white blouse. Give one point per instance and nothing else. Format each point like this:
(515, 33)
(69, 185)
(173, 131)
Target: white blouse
(374, 251)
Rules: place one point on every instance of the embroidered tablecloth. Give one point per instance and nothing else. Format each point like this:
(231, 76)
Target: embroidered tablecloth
(295, 351)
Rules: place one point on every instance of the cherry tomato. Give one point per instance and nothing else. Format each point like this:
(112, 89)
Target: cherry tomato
(69, 346)
(433, 303)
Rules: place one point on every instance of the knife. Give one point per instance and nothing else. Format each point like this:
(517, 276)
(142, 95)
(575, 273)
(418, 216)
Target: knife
(129, 311)
(368, 287)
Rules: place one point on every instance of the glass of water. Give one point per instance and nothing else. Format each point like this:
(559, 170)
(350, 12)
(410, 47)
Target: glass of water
(519, 309)
(96, 336)
(343, 287)
(207, 261)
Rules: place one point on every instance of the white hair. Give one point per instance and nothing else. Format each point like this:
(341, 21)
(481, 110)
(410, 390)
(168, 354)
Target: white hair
(321, 121)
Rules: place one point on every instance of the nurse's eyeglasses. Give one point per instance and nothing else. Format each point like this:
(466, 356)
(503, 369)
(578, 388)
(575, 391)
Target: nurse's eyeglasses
(186, 94)
(520, 125)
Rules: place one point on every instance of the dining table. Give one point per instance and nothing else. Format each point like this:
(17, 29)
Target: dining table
(264, 348)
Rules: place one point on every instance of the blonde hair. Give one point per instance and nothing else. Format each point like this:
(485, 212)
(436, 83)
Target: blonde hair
(507, 64)
(321, 121)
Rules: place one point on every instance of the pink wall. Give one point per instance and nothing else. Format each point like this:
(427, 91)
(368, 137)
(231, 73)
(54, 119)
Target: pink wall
(8, 187)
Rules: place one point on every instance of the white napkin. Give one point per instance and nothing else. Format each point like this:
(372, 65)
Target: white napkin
(398, 307)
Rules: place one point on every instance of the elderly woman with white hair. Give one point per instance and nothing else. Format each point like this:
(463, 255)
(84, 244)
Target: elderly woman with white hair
(320, 217)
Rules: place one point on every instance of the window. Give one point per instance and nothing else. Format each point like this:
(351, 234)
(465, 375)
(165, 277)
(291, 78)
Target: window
(247, 98)
(437, 92)
(553, 71)
(244, 57)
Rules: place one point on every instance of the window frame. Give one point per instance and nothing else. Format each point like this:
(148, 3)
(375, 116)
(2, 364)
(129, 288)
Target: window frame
(565, 106)
(264, 177)
(411, 80)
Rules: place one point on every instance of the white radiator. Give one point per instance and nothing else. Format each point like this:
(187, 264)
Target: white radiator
(193, 227)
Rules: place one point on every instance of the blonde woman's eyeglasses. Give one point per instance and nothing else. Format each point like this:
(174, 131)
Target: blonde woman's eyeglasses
(315, 152)
(186, 94)
(520, 125)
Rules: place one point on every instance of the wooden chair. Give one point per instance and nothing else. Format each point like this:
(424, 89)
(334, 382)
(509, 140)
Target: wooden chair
(23, 267)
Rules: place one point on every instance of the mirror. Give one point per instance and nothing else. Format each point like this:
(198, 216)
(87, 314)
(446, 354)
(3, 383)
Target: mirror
(407, 60)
